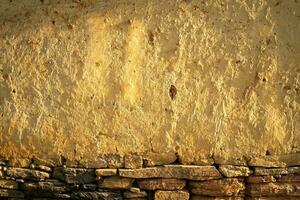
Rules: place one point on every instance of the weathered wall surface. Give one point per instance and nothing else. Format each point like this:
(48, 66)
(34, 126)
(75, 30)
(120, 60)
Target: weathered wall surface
(202, 81)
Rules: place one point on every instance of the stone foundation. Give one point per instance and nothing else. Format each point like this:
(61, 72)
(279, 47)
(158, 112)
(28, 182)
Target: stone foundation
(137, 182)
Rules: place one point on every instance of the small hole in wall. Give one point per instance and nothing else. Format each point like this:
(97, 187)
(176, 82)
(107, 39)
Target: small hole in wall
(151, 38)
(264, 80)
(14, 91)
(53, 22)
(172, 92)
(268, 153)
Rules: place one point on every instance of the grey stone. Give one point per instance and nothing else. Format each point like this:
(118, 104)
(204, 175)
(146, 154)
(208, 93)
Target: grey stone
(3, 162)
(63, 196)
(294, 170)
(79, 176)
(55, 182)
(44, 186)
(75, 175)
(11, 193)
(89, 187)
(270, 171)
(27, 173)
(58, 173)
(101, 195)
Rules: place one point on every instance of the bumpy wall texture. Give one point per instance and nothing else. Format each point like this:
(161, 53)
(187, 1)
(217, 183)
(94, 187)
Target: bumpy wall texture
(191, 81)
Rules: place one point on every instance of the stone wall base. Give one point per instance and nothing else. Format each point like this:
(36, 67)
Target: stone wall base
(167, 182)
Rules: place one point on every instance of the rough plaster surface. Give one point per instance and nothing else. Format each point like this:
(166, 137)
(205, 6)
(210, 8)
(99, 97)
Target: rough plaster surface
(202, 80)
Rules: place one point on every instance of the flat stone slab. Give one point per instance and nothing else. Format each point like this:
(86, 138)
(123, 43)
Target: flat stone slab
(174, 195)
(140, 198)
(190, 172)
(274, 189)
(116, 182)
(294, 170)
(272, 198)
(97, 195)
(11, 193)
(106, 172)
(44, 186)
(234, 171)
(43, 168)
(74, 175)
(260, 179)
(8, 184)
(27, 173)
(289, 178)
(196, 197)
(222, 187)
(270, 171)
(161, 184)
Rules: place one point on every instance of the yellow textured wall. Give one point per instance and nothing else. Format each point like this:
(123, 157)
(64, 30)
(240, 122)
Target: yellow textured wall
(210, 80)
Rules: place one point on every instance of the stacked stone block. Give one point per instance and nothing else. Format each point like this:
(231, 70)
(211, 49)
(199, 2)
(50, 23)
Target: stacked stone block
(135, 181)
